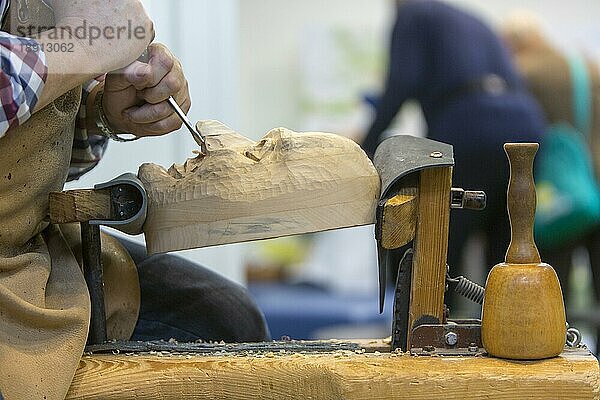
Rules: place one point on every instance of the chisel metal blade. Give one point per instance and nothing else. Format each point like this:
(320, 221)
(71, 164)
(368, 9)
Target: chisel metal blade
(186, 121)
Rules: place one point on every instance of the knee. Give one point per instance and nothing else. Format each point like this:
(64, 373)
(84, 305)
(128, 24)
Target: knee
(238, 318)
(188, 302)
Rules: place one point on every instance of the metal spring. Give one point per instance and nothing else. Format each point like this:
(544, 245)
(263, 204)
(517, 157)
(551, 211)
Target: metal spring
(573, 336)
(468, 289)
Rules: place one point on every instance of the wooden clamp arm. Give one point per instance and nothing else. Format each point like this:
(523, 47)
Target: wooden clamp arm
(80, 206)
(120, 204)
(399, 217)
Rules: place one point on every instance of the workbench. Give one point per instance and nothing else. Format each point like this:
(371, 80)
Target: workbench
(374, 374)
(525, 321)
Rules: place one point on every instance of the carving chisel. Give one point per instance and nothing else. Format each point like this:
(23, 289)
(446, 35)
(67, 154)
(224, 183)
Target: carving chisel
(186, 121)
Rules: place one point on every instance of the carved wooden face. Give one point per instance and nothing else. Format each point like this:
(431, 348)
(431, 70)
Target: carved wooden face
(286, 183)
(228, 149)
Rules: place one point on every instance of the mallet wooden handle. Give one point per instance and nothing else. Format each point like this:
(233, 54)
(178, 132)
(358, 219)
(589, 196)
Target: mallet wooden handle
(522, 203)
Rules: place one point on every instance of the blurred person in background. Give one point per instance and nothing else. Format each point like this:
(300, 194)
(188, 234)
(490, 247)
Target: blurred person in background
(545, 69)
(547, 73)
(472, 97)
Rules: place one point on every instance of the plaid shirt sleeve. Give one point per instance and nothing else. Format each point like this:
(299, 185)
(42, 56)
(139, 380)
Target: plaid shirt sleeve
(22, 78)
(88, 149)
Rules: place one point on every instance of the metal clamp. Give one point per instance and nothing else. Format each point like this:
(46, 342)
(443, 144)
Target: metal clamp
(456, 338)
(468, 200)
(129, 204)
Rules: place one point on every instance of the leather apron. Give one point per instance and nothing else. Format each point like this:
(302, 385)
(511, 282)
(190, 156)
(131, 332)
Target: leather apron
(44, 302)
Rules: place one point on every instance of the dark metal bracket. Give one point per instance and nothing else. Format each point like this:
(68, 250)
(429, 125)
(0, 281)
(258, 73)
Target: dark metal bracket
(456, 338)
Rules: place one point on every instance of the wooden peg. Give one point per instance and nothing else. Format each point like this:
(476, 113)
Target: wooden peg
(523, 311)
(399, 220)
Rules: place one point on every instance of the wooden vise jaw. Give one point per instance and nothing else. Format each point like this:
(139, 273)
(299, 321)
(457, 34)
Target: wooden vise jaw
(415, 204)
(416, 176)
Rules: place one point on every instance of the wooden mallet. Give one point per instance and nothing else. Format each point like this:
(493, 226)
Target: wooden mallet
(523, 310)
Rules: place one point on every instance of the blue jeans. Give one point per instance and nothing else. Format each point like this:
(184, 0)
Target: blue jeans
(184, 301)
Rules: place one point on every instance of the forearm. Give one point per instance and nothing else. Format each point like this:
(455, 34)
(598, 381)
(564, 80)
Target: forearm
(74, 58)
(70, 65)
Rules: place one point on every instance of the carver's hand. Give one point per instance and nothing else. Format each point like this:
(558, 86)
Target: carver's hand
(135, 97)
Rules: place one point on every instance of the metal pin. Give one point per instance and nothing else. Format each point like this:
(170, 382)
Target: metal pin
(451, 338)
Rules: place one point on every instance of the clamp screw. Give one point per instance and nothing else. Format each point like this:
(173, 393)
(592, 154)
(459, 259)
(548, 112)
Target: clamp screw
(436, 154)
(451, 338)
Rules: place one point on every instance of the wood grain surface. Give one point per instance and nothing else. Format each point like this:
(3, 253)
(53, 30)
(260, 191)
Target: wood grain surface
(287, 183)
(399, 221)
(521, 199)
(373, 376)
(80, 206)
(431, 246)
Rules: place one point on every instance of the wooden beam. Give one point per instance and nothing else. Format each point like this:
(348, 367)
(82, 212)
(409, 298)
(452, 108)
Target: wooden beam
(431, 247)
(573, 376)
(80, 206)
(399, 221)
(287, 183)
